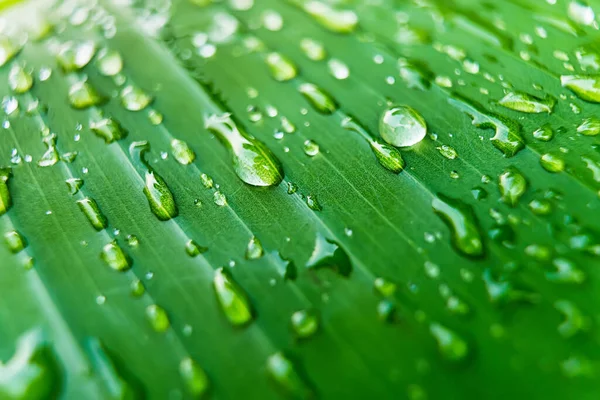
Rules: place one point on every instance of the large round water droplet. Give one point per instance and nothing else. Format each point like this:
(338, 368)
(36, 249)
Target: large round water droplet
(402, 126)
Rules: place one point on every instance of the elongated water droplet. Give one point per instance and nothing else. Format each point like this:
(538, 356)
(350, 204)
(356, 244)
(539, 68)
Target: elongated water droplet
(451, 346)
(340, 21)
(118, 382)
(305, 323)
(15, 241)
(158, 318)
(338, 69)
(512, 186)
(313, 202)
(74, 184)
(107, 128)
(507, 138)
(253, 162)
(73, 56)
(159, 196)
(462, 222)
(194, 377)
(282, 372)
(552, 162)
(565, 272)
(109, 62)
(32, 373)
(50, 157)
(402, 126)
(83, 95)
(134, 99)
(254, 250)
(219, 199)
(206, 180)
(19, 80)
(232, 298)
(447, 151)
(281, 68)
(90, 209)
(286, 268)
(5, 198)
(581, 13)
(137, 288)
(589, 127)
(312, 49)
(329, 254)
(586, 87)
(193, 249)
(574, 321)
(114, 256)
(527, 103)
(182, 152)
(319, 99)
(389, 157)
(385, 287)
(8, 49)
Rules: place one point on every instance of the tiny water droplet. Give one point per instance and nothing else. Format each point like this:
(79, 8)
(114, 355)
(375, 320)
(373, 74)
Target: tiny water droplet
(447, 151)
(107, 128)
(193, 249)
(137, 288)
(219, 199)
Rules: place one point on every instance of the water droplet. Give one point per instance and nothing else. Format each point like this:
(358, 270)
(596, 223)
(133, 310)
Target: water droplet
(586, 87)
(340, 21)
(73, 56)
(527, 103)
(207, 181)
(159, 196)
(254, 250)
(311, 148)
(282, 372)
(414, 75)
(305, 323)
(155, 117)
(338, 69)
(565, 272)
(232, 298)
(312, 49)
(194, 377)
(539, 252)
(253, 162)
(117, 381)
(33, 372)
(512, 186)
(90, 209)
(285, 267)
(19, 80)
(581, 13)
(137, 288)
(451, 346)
(15, 241)
(461, 221)
(8, 49)
(109, 62)
(589, 127)
(193, 249)
(447, 151)
(389, 157)
(132, 241)
(272, 20)
(219, 199)
(83, 95)
(329, 254)
(107, 128)
(385, 287)
(574, 321)
(50, 157)
(281, 68)
(402, 126)
(319, 99)
(134, 99)
(114, 256)
(544, 133)
(507, 136)
(158, 318)
(540, 207)
(552, 162)
(313, 203)
(182, 152)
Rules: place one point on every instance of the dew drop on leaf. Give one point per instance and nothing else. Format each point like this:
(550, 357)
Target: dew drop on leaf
(402, 126)
(232, 298)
